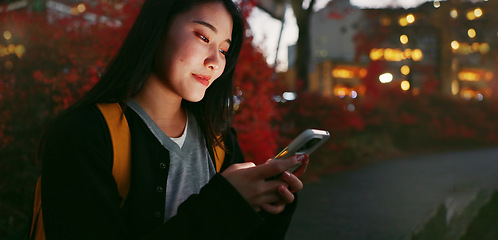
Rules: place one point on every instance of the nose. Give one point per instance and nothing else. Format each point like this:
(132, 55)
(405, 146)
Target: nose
(214, 60)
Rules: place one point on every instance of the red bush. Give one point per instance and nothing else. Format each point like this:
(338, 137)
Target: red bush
(256, 111)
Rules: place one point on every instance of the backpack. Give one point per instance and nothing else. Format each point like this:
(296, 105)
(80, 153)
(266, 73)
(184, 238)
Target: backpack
(121, 145)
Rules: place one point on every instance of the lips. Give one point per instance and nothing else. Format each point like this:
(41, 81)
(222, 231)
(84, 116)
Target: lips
(203, 79)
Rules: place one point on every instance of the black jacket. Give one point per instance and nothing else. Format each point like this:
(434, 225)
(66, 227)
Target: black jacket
(80, 199)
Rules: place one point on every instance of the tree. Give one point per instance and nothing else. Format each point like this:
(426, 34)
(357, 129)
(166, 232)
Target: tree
(303, 15)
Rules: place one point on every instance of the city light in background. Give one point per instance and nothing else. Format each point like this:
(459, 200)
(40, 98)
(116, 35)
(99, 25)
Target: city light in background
(418, 38)
(386, 78)
(266, 29)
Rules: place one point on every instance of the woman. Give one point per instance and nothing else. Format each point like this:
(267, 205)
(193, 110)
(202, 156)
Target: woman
(173, 77)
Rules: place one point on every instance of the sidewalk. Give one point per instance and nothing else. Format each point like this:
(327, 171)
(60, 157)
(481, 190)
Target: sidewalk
(394, 199)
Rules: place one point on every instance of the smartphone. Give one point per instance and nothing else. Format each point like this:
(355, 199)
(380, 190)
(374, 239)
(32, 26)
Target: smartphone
(307, 142)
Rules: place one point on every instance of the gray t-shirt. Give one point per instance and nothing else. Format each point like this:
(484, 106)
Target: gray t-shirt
(190, 166)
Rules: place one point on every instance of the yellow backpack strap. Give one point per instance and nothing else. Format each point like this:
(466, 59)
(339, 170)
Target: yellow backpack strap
(219, 157)
(37, 230)
(121, 146)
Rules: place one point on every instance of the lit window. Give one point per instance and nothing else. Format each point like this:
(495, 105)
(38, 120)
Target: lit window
(472, 33)
(478, 12)
(471, 16)
(403, 22)
(455, 45)
(405, 70)
(403, 39)
(410, 18)
(454, 13)
(405, 85)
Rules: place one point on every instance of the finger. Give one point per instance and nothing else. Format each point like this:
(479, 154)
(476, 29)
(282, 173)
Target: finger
(286, 194)
(302, 169)
(267, 188)
(276, 166)
(273, 208)
(271, 198)
(239, 166)
(266, 192)
(245, 165)
(295, 184)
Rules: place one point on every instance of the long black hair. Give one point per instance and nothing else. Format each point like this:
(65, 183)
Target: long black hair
(128, 71)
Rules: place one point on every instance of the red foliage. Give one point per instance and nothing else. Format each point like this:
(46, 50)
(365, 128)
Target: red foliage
(62, 60)
(256, 111)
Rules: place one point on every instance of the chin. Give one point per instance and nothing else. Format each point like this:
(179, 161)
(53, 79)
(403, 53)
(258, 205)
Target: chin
(194, 98)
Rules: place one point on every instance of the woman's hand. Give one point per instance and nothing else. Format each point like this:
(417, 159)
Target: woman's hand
(304, 159)
(270, 195)
(295, 185)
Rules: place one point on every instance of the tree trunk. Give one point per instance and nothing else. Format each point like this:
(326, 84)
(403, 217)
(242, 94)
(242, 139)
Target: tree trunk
(303, 41)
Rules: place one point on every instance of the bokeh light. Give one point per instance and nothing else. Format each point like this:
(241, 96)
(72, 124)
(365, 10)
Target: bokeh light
(386, 78)
(471, 32)
(403, 39)
(7, 35)
(454, 13)
(405, 70)
(405, 85)
(455, 45)
(410, 18)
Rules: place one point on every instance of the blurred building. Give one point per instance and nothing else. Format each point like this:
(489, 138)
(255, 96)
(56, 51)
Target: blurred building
(334, 71)
(469, 48)
(446, 46)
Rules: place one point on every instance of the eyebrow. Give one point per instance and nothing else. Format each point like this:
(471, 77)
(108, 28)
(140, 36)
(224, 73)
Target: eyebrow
(210, 26)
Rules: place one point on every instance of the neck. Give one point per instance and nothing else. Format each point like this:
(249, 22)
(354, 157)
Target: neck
(163, 106)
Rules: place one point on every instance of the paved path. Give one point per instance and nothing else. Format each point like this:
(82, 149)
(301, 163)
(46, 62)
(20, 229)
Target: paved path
(389, 200)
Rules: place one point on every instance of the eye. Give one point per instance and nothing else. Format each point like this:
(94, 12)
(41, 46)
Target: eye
(202, 37)
(223, 52)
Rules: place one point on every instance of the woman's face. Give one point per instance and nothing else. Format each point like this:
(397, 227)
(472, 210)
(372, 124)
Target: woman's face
(192, 55)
